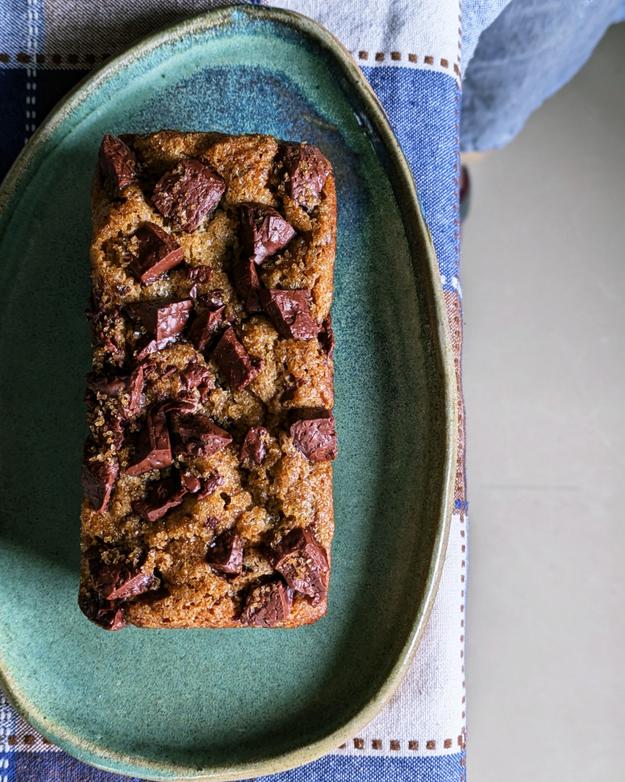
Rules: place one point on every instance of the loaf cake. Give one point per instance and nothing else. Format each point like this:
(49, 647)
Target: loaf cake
(207, 471)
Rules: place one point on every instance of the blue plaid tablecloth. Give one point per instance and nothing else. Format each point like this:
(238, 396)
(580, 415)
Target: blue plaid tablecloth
(410, 52)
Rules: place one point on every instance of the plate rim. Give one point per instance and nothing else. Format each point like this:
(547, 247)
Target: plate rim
(90, 752)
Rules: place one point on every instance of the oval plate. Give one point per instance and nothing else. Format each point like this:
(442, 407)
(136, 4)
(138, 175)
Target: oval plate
(224, 704)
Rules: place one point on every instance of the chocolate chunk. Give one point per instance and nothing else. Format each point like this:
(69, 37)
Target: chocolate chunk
(199, 274)
(158, 252)
(204, 326)
(226, 554)
(326, 337)
(111, 386)
(183, 403)
(303, 563)
(289, 312)
(307, 170)
(197, 435)
(98, 480)
(153, 449)
(190, 482)
(162, 495)
(246, 283)
(107, 615)
(210, 485)
(162, 319)
(188, 193)
(254, 447)
(195, 375)
(233, 360)
(132, 585)
(263, 231)
(134, 388)
(315, 438)
(146, 346)
(266, 605)
(118, 164)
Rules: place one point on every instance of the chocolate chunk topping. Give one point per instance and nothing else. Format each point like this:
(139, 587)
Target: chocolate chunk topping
(197, 435)
(158, 252)
(188, 193)
(195, 375)
(303, 564)
(162, 495)
(246, 283)
(134, 388)
(326, 337)
(183, 403)
(98, 480)
(162, 319)
(190, 482)
(263, 231)
(289, 312)
(118, 164)
(204, 326)
(210, 485)
(107, 615)
(233, 360)
(254, 448)
(111, 386)
(226, 554)
(266, 605)
(153, 449)
(307, 170)
(199, 274)
(315, 438)
(115, 386)
(132, 585)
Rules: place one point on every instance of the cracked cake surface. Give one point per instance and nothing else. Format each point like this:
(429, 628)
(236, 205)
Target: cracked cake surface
(207, 471)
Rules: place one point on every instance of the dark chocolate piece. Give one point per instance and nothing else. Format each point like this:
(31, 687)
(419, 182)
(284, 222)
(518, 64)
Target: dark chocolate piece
(289, 311)
(107, 615)
(132, 585)
(158, 252)
(233, 360)
(197, 435)
(225, 555)
(118, 164)
(199, 274)
(315, 438)
(183, 403)
(263, 231)
(162, 495)
(190, 482)
(153, 449)
(266, 605)
(307, 170)
(210, 485)
(254, 447)
(303, 563)
(134, 388)
(188, 193)
(204, 326)
(326, 337)
(111, 386)
(247, 284)
(162, 319)
(195, 375)
(98, 480)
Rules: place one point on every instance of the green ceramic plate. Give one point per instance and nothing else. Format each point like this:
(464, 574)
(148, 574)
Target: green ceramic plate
(224, 704)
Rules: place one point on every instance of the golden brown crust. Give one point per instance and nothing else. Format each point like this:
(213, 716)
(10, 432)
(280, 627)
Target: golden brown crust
(261, 503)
